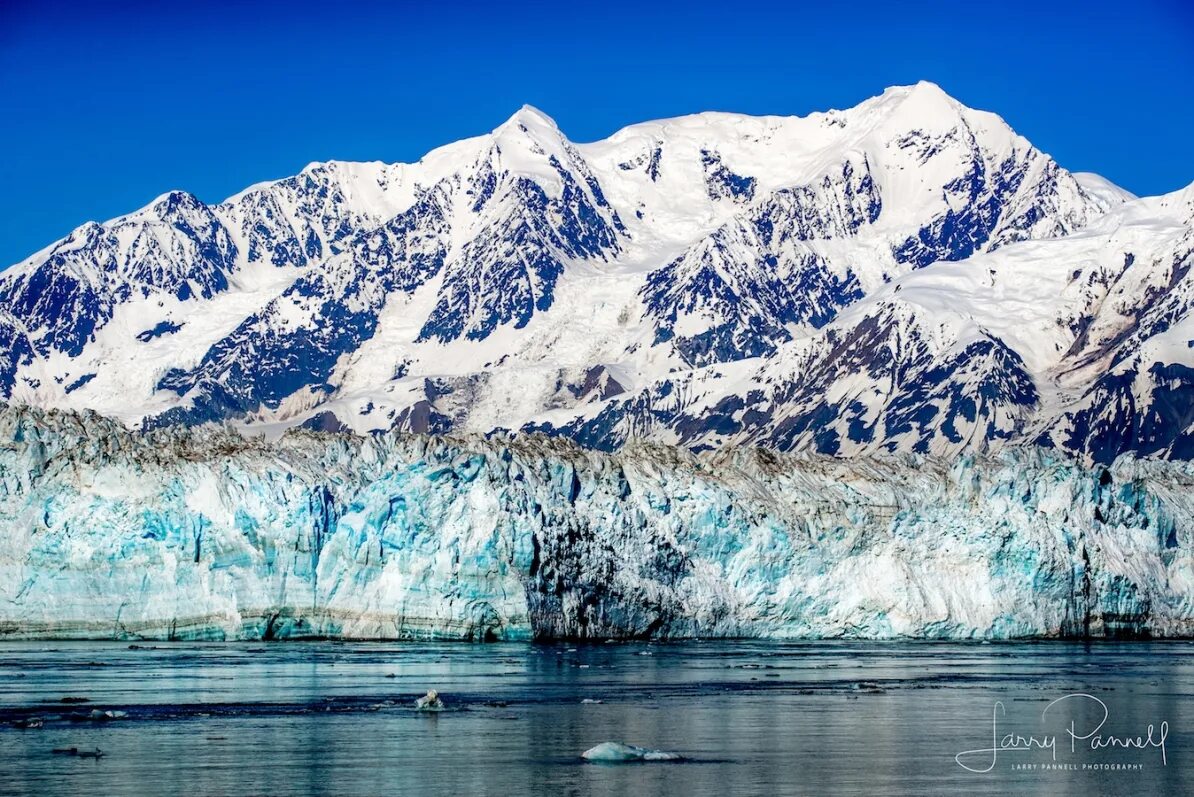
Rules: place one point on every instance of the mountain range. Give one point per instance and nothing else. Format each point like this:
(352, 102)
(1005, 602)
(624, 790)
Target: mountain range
(908, 275)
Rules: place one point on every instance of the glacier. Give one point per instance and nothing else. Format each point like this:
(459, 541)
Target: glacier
(205, 533)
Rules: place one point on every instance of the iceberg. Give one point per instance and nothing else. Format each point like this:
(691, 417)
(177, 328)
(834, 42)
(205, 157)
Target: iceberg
(204, 534)
(615, 752)
(430, 702)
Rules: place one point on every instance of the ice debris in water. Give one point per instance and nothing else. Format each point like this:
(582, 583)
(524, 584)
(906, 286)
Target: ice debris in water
(614, 752)
(430, 702)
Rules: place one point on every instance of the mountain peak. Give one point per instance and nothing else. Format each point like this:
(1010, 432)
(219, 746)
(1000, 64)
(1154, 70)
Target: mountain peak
(926, 87)
(173, 202)
(922, 98)
(923, 106)
(531, 118)
(921, 90)
(527, 142)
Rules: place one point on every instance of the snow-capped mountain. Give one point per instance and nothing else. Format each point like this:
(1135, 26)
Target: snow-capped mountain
(908, 274)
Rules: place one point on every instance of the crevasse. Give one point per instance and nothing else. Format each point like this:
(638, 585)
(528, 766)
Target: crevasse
(173, 534)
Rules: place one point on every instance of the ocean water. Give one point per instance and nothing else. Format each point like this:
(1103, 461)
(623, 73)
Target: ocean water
(326, 718)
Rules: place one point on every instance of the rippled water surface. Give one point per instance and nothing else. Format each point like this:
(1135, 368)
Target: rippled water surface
(749, 718)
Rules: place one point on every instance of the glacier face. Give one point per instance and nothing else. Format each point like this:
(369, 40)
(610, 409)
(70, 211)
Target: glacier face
(848, 282)
(203, 533)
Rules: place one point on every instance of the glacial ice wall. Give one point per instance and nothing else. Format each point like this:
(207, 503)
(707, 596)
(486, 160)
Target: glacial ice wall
(204, 534)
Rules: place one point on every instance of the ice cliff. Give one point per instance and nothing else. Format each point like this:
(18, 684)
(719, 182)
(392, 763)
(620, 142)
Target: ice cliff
(203, 533)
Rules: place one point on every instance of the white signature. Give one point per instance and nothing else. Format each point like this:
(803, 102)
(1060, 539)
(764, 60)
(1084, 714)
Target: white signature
(1016, 743)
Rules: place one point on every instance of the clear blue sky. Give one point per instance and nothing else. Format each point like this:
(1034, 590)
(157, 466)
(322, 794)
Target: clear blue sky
(103, 106)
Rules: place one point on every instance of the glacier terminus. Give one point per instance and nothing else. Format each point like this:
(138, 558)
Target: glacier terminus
(204, 534)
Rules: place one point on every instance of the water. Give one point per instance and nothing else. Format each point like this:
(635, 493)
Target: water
(750, 717)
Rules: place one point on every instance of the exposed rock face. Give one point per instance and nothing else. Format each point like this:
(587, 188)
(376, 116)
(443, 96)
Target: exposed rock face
(204, 534)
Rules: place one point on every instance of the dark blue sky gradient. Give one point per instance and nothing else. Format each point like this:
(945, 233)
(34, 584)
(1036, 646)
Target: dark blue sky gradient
(103, 106)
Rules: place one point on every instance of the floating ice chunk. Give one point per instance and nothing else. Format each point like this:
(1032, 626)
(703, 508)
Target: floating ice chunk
(430, 702)
(615, 752)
